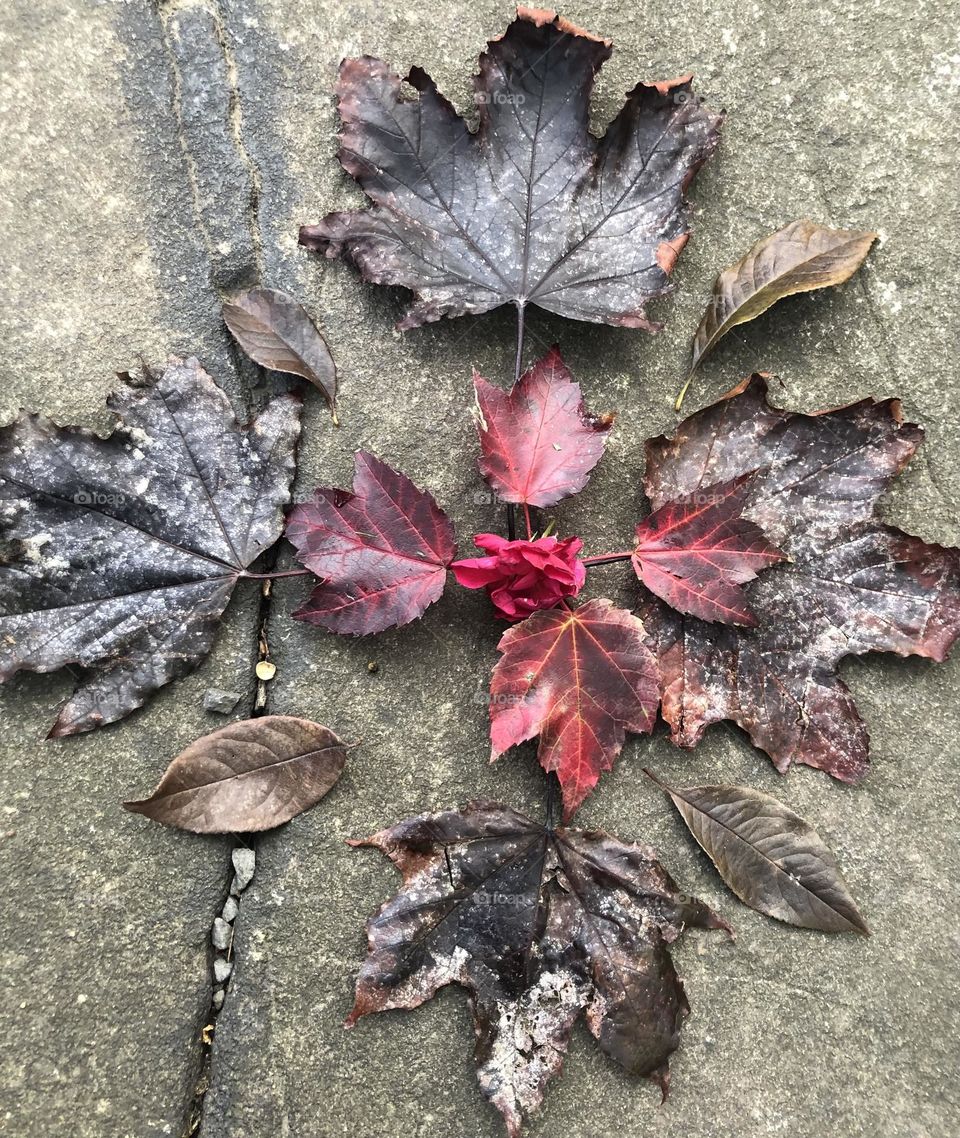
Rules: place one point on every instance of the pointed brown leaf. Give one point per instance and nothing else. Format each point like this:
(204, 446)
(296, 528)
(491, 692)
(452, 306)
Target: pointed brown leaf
(580, 679)
(533, 209)
(770, 857)
(540, 926)
(696, 552)
(852, 584)
(538, 442)
(120, 554)
(381, 552)
(246, 777)
(276, 332)
(801, 257)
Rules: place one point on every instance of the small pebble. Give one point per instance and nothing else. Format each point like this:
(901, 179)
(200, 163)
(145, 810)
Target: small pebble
(221, 970)
(220, 702)
(221, 934)
(373, 667)
(218, 997)
(244, 861)
(230, 910)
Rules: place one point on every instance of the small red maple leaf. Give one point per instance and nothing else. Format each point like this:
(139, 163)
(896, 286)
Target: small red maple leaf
(696, 551)
(382, 552)
(580, 679)
(538, 442)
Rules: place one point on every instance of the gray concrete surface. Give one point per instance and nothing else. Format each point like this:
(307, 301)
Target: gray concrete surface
(152, 159)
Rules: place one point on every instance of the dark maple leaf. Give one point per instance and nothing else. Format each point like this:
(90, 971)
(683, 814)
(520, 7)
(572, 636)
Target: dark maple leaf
(580, 679)
(382, 552)
(540, 925)
(696, 552)
(770, 857)
(247, 777)
(852, 584)
(538, 443)
(276, 332)
(122, 553)
(533, 208)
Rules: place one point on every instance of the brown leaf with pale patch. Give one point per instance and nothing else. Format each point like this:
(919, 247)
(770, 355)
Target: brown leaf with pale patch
(541, 925)
(850, 584)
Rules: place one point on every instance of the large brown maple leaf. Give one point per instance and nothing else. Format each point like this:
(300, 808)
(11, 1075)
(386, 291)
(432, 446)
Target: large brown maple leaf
(532, 209)
(851, 584)
(540, 925)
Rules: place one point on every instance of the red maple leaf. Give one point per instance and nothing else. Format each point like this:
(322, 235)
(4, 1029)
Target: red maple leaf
(538, 441)
(580, 679)
(696, 551)
(382, 552)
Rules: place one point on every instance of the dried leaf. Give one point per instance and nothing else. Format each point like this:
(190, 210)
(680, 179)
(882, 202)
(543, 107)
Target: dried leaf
(852, 584)
(696, 552)
(538, 442)
(770, 857)
(801, 257)
(276, 332)
(247, 777)
(532, 209)
(580, 679)
(382, 552)
(122, 553)
(540, 925)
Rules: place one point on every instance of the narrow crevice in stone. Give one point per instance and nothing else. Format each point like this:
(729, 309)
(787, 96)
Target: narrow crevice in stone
(225, 189)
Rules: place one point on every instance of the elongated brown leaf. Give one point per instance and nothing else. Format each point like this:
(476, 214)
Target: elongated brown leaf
(246, 777)
(276, 332)
(541, 925)
(801, 257)
(770, 857)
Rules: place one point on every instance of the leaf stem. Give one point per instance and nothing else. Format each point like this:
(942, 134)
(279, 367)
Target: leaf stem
(274, 576)
(518, 365)
(684, 389)
(526, 518)
(606, 558)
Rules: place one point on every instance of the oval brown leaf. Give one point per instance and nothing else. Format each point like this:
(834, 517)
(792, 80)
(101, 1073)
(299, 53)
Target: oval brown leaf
(246, 777)
(801, 257)
(770, 857)
(276, 332)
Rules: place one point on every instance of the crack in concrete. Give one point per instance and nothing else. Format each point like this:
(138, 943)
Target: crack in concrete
(210, 132)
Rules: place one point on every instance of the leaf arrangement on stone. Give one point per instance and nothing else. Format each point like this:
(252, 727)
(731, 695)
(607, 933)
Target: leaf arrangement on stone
(761, 564)
(120, 554)
(532, 209)
(541, 926)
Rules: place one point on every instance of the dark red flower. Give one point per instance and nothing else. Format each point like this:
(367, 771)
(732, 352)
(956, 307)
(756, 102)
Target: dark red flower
(523, 576)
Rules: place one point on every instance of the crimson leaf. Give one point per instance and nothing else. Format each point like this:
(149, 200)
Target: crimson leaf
(119, 555)
(382, 552)
(538, 443)
(533, 208)
(540, 925)
(852, 584)
(695, 552)
(580, 679)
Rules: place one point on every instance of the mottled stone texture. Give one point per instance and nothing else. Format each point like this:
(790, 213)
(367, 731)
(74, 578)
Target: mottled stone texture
(152, 159)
